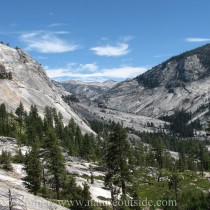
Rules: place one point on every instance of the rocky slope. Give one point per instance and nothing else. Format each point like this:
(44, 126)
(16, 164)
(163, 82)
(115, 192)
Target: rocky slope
(30, 85)
(88, 90)
(182, 81)
(128, 120)
(13, 179)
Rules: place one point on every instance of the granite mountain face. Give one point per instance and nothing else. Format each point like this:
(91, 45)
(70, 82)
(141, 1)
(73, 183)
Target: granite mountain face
(182, 81)
(25, 80)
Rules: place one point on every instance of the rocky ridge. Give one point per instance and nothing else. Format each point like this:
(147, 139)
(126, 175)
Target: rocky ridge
(180, 82)
(31, 85)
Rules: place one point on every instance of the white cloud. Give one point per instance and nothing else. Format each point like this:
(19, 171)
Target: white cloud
(47, 42)
(197, 39)
(78, 68)
(98, 74)
(92, 67)
(108, 50)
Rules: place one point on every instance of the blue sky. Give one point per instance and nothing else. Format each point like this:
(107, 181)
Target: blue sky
(95, 40)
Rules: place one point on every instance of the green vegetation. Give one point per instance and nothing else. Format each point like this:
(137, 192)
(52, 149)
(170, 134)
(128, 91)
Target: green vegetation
(179, 123)
(118, 161)
(33, 170)
(144, 170)
(4, 74)
(48, 139)
(5, 160)
(155, 175)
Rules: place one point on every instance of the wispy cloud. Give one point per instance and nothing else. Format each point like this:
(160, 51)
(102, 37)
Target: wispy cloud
(197, 39)
(81, 68)
(121, 47)
(47, 42)
(108, 50)
(71, 72)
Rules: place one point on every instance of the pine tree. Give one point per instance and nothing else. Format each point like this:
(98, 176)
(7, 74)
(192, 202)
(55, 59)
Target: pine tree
(48, 117)
(92, 178)
(82, 197)
(3, 120)
(69, 137)
(19, 157)
(5, 160)
(55, 161)
(117, 159)
(68, 141)
(174, 184)
(58, 124)
(78, 141)
(72, 126)
(72, 192)
(88, 150)
(86, 196)
(158, 148)
(20, 113)
(33, 169)
(203, 156)
(34, 126)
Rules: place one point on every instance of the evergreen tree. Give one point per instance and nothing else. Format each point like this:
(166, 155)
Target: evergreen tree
(55, 161)
(4, 129)
(174, 184)
(72, 126)
(86, 196)
(72, 192)
(158, 148)
(58, 124)
(78, 197)
(48, 117)
(33, 169)
(203, 157)
(34, 126)
(20, 113)
(68, 141)
(78, 139)
(88, 150)
(92, 178)
(5, 160)
(19, 157)
(117, 156)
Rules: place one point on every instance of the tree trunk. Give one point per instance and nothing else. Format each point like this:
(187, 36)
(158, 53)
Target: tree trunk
(57, 188)
(123, 188)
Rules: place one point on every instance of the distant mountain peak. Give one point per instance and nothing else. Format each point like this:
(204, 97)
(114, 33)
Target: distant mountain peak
(88, 90)
(178, 70)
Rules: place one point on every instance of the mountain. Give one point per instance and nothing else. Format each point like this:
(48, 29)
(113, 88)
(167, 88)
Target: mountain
(88, 90)
(23, 79)
(182, 81)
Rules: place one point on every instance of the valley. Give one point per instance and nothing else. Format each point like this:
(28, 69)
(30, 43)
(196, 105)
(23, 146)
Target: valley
(105, 142)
